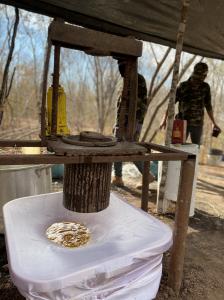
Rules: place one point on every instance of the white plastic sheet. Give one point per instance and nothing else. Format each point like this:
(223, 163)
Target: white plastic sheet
(121, 261)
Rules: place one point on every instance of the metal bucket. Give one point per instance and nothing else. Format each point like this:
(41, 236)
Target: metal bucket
(18, 181)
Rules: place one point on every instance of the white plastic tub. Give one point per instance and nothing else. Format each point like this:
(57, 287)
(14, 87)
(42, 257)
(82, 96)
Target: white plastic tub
(19, 181)
(173, 176)
(214, 160)
(121, 261)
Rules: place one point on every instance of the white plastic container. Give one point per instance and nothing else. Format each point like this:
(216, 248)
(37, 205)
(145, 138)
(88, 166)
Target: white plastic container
(214, 160)
(22, 180)
(121, 261)
(173, 175)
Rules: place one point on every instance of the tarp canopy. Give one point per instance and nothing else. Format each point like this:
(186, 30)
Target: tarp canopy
(149, 20)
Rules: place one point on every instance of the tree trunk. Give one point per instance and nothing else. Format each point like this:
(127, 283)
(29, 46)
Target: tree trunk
(4, 89)
(87, 187)
(162, 203)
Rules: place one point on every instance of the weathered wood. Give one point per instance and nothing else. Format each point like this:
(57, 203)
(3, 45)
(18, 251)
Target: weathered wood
(87, 187)
(145, 186)
(20, 143)
(181, 224)
(93, 42)
(61, 148)
(78, 140)
(26, 159)
(92, 136)
(54, 114)
(44, 93)
(160, 148)
(132, 97)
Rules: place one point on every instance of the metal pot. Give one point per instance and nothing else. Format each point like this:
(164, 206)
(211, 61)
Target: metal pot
(18, 181)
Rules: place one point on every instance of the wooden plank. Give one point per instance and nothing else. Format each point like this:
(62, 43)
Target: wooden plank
(160, 148)
(20, 143)
(168, 156)
(54, 115)
(95, 42)
(20, 159)
(181, 224)
(121, 131)
(132, 96)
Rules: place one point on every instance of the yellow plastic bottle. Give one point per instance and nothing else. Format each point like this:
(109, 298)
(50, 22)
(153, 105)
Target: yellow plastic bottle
(62, 128)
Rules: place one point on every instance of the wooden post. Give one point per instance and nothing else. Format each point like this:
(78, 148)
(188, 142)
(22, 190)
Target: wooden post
(162, 202)
(145, 186)
(55, 91)
(181, 225)
(87, 187)
(44, 93)
(132, 97)
(121, 130)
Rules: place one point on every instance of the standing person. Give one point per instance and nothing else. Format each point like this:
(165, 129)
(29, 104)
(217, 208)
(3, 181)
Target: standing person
(193, 96)
(140, 114)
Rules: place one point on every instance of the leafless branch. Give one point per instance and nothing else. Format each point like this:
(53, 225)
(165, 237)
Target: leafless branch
(10, 83)
(159, 65)
(3, 91)
(153, 52)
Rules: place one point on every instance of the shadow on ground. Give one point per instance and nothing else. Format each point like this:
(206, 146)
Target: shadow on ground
(210, 187)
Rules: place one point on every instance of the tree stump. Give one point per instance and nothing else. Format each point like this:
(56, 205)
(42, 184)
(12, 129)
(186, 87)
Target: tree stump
(87, 187)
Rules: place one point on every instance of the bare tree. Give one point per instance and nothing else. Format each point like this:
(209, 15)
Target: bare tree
(35, 61)
(105, 78)
(75, 78)
(6, 81)
(152, 92)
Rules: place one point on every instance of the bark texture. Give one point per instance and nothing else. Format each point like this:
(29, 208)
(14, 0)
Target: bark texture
(87, 187)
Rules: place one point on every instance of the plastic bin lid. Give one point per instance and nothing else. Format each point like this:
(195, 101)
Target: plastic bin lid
(120, 236)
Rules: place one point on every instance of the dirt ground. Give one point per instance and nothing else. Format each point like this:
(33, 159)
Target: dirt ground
(204, 261)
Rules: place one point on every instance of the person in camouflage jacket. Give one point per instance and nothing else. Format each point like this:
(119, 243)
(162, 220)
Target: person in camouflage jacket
(193, 96)
(140, 114)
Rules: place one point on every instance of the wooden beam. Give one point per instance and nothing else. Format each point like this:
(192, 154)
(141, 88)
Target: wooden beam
(54, 115)
(132, 65)
(20, 159)
(20, 143)
(145, 186)
(95, 42)
(44, 93)
(181, 224)
(121, 131)
(160, 148)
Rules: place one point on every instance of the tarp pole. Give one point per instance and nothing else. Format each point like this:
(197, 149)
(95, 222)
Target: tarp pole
(162, 203)
(176, 67)
(184, 196)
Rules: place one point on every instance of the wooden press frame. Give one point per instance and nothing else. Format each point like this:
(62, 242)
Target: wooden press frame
(90, 41)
